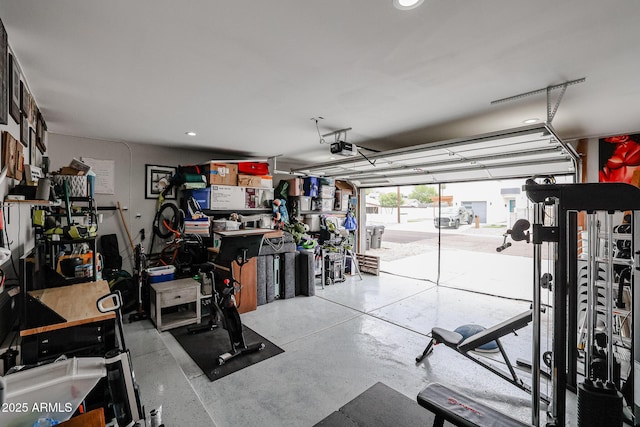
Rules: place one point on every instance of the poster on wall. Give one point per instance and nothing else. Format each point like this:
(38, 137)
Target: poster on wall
(105, 174)
(619, 158)
(12, 156)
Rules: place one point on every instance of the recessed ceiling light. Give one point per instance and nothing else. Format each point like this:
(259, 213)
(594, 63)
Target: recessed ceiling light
(190, 133)
(407, 4)
(529, 121)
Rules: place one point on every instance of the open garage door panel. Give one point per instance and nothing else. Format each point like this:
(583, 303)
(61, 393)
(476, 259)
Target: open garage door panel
(515, 153)
(461, 255)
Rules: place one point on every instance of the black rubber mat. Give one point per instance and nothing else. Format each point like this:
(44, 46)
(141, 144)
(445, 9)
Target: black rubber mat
(205, 347)
(380, 406)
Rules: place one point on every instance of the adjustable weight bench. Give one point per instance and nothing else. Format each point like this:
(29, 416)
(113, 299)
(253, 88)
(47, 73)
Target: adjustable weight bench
(464, 346)
(460, 410)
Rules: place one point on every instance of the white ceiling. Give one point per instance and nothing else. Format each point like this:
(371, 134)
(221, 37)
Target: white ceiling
(248, 76)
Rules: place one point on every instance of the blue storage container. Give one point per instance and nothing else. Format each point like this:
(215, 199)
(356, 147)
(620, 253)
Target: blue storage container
(161, 274)
(311, 186)
(202, 196)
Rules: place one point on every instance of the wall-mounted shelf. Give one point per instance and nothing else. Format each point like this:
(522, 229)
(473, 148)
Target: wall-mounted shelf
(323, 213)
(210, 212)
(32, 202)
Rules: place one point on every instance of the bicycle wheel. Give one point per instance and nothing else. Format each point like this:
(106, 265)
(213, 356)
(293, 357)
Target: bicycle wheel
(167, 220)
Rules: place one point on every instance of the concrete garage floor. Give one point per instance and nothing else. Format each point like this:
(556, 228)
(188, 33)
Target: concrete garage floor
(337, 344)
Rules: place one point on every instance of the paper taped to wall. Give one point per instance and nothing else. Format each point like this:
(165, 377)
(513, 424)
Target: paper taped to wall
(105, 172)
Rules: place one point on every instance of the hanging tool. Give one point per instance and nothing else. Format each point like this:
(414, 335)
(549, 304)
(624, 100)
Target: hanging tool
(126, 228)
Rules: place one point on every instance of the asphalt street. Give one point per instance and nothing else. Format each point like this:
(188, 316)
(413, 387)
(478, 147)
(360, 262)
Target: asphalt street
(466, 237)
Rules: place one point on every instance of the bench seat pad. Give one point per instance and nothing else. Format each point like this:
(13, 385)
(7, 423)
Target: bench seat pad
(461, 410)
(445, 336)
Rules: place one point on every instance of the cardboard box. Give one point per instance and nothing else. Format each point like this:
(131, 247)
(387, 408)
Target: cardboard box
(259, 197)
(254, 181)
(296, 187)
(266, 181)
(344, 186)
(218, 173)
(227, 197)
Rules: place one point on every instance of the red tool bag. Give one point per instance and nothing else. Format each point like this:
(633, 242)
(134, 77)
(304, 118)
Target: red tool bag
(253, 168)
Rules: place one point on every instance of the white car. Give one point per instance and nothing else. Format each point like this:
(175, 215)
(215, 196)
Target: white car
(453, 216)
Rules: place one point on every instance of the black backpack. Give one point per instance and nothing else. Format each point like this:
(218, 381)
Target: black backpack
(110, 252)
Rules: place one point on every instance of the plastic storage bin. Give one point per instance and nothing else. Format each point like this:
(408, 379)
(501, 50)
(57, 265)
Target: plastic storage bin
(310, 186)
(202, 196)
(161, 274)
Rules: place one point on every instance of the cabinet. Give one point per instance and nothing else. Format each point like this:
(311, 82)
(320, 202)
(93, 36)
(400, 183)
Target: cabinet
(247, 296)
(175, 303)
(55, 326)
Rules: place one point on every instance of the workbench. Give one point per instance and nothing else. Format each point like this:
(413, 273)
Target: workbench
(72, 324)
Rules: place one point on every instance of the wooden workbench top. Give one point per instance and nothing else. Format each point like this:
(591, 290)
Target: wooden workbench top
(267, 232)
(75, 303)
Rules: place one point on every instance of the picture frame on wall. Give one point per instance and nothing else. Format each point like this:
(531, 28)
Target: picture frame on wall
(41, 133)
(4, 78)
(24, 130)
(32, 146)
(156, 180)
(33, 108)
(24, 99)
(618, 159)
(14, 90)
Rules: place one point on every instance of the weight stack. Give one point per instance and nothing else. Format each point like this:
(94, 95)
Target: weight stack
(599, 405)
(261, 280)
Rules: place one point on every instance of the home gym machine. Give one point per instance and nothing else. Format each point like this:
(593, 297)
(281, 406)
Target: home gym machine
(236, 247)
(599, 399)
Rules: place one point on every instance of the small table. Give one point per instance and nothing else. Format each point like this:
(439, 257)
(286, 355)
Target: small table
(181, 292)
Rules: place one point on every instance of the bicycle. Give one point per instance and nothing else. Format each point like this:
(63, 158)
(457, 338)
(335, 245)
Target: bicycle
(183, 251)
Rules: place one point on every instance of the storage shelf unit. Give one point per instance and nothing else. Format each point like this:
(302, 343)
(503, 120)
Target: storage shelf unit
(78, 207)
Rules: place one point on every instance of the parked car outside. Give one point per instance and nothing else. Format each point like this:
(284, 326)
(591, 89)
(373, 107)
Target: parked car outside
(453, 216)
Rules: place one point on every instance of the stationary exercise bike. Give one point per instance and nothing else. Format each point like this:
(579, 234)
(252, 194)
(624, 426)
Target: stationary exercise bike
(238, 249)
